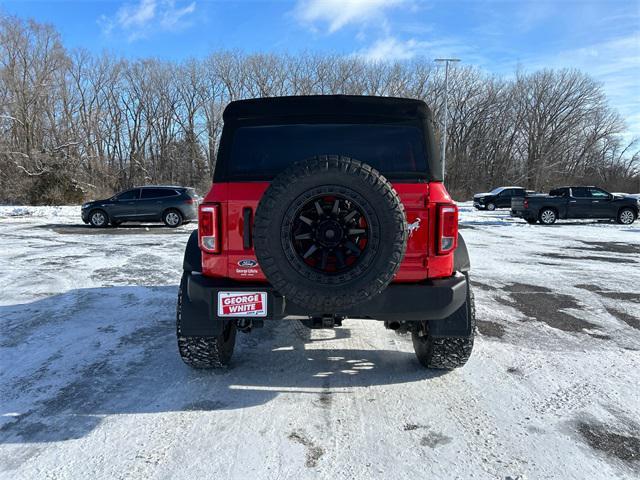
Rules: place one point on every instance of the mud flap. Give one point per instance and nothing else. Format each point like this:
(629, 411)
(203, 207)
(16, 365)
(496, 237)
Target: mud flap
(192, 255)
(197, 317)
(458, 324)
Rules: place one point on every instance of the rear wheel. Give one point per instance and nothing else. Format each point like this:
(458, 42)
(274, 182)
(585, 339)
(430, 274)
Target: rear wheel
(204, 352)
(626, 216)
(172, 218)
(98, 219)
(548, 216)
(446, 352)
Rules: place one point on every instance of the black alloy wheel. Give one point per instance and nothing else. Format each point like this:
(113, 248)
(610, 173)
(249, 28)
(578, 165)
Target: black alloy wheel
(330, 234)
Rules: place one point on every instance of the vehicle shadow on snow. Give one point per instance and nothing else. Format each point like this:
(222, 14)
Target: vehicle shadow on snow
(124, 229)
(78, 357)
(491, 223)
(506, 221)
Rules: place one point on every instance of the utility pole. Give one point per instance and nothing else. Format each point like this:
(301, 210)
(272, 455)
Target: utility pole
(446, 106)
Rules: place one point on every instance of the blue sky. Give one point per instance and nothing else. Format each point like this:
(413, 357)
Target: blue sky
(601, 37)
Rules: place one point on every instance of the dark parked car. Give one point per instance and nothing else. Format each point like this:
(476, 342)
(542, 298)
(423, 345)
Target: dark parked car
(497, 198)
(576, 202)
(171, 205)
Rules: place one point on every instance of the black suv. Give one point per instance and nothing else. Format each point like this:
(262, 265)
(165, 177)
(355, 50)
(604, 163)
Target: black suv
(497, 198)
(171, 205)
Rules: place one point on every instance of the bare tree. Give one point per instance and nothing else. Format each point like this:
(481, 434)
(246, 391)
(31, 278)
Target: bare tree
(74, 124)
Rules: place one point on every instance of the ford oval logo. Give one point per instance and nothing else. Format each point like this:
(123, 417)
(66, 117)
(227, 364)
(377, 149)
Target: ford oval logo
(248, 263)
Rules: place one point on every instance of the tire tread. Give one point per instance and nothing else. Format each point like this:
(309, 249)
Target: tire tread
(446, 353)
(202, 352)
(296, 173)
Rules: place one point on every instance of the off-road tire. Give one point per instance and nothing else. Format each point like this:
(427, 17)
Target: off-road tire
(204, 352)
(446, 352)
(168, 218)
(545, 218)
(95, 224)
(301, 183)
(626, 216)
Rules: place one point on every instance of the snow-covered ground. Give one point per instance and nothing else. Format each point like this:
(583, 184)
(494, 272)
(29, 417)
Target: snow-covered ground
(91, 385)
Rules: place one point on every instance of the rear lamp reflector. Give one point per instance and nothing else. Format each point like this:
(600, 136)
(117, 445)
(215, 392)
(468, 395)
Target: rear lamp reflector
(208, 219)
(447, 228)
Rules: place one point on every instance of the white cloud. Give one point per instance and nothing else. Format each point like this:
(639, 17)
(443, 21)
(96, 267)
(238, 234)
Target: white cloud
(392, 49)
(339, 13)
(171, 18)
(138, 20)
(136, 16)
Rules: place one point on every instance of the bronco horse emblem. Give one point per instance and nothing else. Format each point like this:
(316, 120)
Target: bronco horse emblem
(414, 226)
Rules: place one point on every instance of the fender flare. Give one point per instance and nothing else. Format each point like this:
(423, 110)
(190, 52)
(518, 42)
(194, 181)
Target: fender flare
(192, 254)
(461, 262)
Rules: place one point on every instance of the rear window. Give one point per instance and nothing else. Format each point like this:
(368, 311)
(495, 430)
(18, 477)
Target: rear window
(261, 152)
(580, 192)
(129, 195)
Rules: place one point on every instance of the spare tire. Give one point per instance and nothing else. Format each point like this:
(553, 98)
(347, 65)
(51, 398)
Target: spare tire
(330, 232)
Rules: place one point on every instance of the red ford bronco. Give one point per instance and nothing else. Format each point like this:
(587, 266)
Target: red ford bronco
(327, 207)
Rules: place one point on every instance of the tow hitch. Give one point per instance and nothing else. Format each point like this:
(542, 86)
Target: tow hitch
(326, 321)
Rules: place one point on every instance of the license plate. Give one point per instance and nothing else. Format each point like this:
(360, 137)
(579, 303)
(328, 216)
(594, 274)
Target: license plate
(242, 304)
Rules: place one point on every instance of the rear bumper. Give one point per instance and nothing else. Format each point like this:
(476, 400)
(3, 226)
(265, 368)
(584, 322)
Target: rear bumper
(523, 214)
(432, 300)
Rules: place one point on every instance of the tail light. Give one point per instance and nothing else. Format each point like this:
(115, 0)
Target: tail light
(447, 228)
(190, 201)
(208, 228)
(525, 203)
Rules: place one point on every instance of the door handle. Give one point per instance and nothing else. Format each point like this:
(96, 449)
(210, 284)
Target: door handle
(572, 201)
(595, 201)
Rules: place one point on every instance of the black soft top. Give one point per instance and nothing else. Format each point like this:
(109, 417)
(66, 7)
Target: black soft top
(328, 109)
(313, 106)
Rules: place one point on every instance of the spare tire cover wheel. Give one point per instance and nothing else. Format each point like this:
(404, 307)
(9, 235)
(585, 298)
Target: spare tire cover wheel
(330, 232)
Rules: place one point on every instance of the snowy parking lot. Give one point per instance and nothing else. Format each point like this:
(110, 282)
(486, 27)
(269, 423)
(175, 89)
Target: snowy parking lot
(91, 384)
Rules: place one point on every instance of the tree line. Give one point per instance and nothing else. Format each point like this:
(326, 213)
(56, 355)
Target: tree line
(75, 125)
